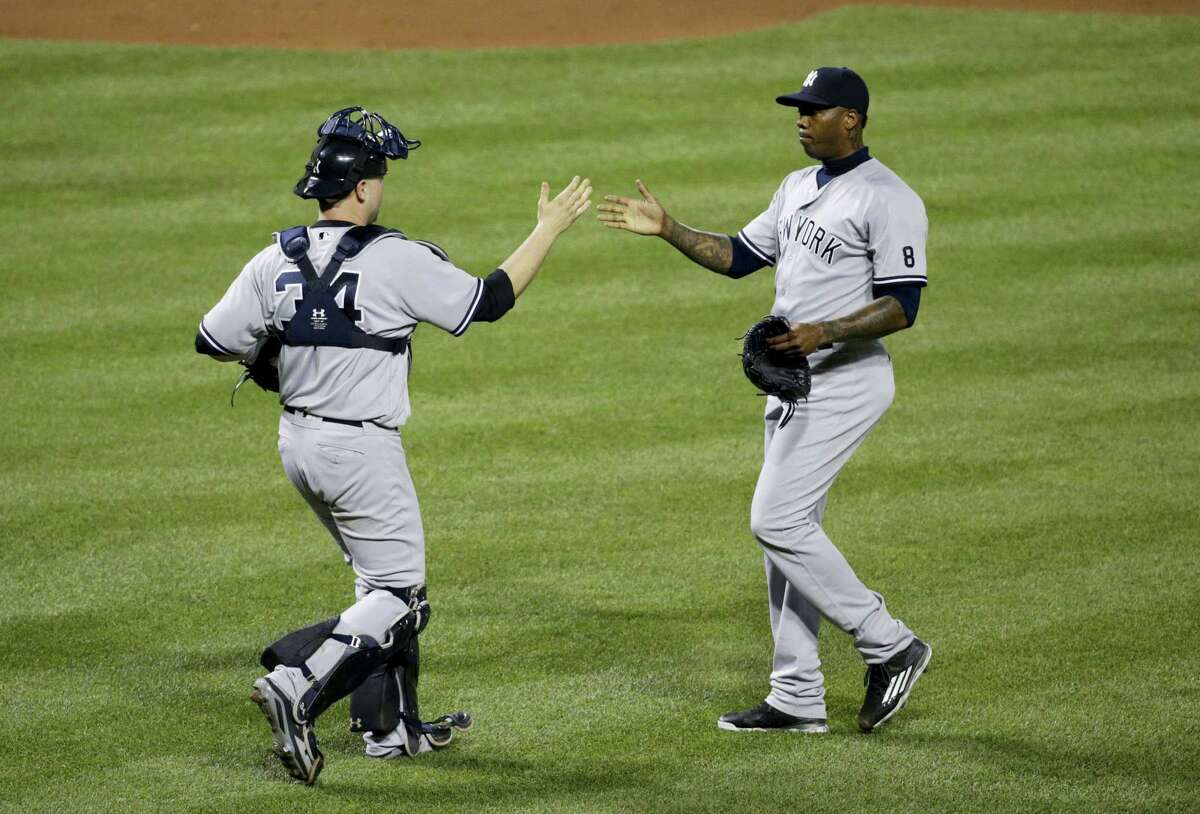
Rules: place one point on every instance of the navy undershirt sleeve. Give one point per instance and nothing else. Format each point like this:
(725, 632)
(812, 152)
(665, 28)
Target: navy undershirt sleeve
(745, 261)
(497, 299)
(203, 346)
(909, 297)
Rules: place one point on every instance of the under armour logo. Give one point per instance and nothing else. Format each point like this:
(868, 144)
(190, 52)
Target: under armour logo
(808, 80)
(318, 319)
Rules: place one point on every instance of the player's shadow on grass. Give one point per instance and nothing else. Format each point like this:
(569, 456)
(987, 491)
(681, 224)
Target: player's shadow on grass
(1082, 762)
(502, 781)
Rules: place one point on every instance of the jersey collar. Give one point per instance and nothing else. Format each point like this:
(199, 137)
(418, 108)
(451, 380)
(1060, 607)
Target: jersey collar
(330, 223)
(841, 166)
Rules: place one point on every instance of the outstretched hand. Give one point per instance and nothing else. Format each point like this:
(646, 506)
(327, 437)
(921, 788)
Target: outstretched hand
(644, 217)
(565, 208)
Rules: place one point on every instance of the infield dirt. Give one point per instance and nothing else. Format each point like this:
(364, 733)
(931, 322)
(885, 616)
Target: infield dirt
(462, 24)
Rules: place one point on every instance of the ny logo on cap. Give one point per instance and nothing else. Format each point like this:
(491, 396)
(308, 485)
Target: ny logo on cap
(808, 80)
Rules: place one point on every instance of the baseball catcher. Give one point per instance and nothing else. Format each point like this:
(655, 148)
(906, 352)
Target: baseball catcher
(324, 316)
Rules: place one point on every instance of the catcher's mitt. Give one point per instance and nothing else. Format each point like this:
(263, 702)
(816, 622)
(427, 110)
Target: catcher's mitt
(775, 374)
(264, 370)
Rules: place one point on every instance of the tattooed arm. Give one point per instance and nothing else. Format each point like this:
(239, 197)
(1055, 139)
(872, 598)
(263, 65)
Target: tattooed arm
(647, 217)
(709, 249)
(879, 318)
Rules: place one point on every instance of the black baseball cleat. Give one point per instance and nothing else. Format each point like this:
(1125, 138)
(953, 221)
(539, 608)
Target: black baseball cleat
(765, 718)
(295, 742)
(889, 683)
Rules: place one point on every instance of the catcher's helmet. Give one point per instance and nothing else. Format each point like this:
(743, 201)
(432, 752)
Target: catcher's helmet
(352, 144)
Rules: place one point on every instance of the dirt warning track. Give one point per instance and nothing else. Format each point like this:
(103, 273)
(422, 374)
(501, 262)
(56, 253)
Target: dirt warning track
(461, 24)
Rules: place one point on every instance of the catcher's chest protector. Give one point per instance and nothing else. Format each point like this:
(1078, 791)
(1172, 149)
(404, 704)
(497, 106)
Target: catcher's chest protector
(319, 320)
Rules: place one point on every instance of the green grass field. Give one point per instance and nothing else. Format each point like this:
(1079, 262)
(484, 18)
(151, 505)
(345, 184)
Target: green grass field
(1029, 505)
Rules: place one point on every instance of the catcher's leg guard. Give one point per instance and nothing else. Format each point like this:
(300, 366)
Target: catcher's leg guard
(389, 695)
(366, 636)
(297, 647)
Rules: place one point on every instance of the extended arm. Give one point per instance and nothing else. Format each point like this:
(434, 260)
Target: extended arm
(554, 217)
(648, 217)
(502, 287)
(709, 249)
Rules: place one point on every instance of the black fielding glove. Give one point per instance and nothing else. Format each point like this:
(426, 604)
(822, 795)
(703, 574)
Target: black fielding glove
(775, 374)
(264, 370)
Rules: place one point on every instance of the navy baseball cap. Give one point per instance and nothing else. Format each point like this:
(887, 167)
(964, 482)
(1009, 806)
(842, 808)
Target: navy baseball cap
(830, 87)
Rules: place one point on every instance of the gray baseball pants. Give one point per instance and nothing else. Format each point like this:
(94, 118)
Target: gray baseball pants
(807, 577)
(356, 480)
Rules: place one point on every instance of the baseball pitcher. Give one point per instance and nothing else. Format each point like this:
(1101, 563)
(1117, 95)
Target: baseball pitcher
(847, 240)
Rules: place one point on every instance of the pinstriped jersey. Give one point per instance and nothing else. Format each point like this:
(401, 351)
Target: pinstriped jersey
(387, 289)
(832, 245)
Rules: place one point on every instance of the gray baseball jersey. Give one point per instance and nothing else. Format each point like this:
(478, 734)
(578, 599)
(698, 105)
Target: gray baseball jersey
(832, 245)
(396, 283)
(354, 477)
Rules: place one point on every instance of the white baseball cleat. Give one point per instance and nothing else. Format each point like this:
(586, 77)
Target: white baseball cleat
(295, 742)
(405, 741)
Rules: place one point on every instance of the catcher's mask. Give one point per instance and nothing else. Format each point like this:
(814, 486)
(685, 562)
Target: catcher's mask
(352, 144)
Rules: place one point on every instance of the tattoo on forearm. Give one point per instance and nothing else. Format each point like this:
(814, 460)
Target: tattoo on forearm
(882, 317)
(710, 250)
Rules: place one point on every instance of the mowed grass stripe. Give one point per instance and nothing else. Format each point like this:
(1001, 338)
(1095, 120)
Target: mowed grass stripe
(585, 467)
